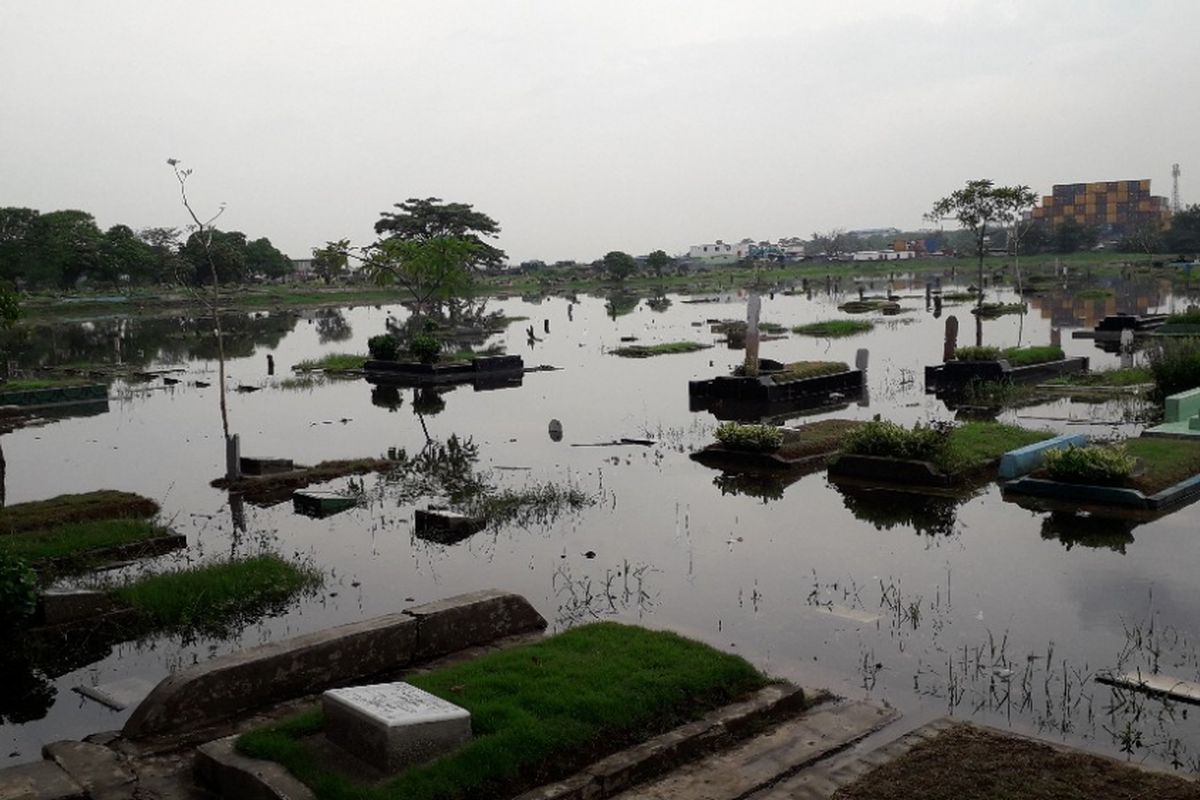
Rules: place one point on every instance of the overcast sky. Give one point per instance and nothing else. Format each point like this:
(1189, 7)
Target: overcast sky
(583, 127)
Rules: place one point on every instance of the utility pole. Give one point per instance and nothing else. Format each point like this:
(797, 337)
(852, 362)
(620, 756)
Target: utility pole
(1174, 188)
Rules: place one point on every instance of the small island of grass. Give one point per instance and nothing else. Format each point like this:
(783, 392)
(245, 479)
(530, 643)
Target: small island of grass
(1148, 465)
(79, 539)
(995, 310)
(834, 328)
(957, 452)
(881, 304)
(332, 362)
(71, 508)
(538, 711)
(213, 597)
(1015, 356)
(802, 370)
(664, 348)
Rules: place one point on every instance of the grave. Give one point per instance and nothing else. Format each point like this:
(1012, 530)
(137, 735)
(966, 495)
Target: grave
(320, 503)
(393, 725)
(1181, 418)
(265, 466)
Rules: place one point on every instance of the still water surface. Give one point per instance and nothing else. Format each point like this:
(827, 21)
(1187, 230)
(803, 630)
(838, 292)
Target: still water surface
(978, 609)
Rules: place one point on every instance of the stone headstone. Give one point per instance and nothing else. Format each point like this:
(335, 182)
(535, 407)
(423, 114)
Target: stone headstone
(951, 343)
(1056, 337)
(556, 430)
(861, 358)
(753, 306)
(393, 725)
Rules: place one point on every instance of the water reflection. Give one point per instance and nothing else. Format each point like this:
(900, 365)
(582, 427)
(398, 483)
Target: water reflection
(930, 514)
(1089, 531)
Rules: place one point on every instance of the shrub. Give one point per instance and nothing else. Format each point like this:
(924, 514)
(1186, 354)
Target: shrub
(425, 348)
(1028, 356)
(18, 591)
(977, 353)
(383, 347)
(1175, 364)
(1102, 465)
(754, 438)
(883, 438)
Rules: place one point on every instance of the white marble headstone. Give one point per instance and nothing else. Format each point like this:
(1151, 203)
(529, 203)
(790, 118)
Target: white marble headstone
(394, 725)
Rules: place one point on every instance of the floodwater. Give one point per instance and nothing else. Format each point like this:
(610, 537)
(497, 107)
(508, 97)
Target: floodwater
(975, 608)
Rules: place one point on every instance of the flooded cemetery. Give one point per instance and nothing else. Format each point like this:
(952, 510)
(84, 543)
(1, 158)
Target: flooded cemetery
(590, 482)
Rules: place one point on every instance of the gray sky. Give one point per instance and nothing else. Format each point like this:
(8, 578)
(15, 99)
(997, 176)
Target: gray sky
(583, 127)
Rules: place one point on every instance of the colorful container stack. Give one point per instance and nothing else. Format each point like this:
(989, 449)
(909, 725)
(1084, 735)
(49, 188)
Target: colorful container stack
(1113, 207)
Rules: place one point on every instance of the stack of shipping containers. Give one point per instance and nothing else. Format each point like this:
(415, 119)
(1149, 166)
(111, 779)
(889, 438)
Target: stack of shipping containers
(1113, 207)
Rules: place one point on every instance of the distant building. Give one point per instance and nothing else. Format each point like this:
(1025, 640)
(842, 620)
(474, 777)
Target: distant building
(883, 255)
(1115, 208)
(303, 267)
(720, 252)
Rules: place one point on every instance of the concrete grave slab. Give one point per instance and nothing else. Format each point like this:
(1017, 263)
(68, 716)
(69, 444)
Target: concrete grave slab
(93, 767)
(119, 694)
(394, 725)
(1175, 688)
(41, 780)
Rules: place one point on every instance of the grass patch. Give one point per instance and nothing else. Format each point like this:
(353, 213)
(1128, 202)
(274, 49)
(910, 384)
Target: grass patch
(800, 370)
(215, 597)
(69, 508)
(1131, 376)
(665, 348)
(952, 449)
(816, 438)
(539, 712)
(1167, 462)
(968, 763)
(994, 310)
(876, 304)
(834, 328)
(332, 362)
(539, 504)
(1175, 365)
(750, 438)
(771, 327)
(279, 487)
(77, 539)
(33, 384)
(1016, 356)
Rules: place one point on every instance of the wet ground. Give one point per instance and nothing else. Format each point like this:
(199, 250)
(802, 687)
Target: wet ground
(975, 608)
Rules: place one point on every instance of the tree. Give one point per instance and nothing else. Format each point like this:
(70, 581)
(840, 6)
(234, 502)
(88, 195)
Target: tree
(16, 233)
(425, 220)
(209, 249)
(432, 270)
(262, 258)
(1183, 237)
(65, 247)
(123, 256)
(976, 206)
(619, 265)
(1014, 203)
(832, 243)
(658, 262)
(164, 246)
(330, 261)
(1070, 237)
(1145, 238)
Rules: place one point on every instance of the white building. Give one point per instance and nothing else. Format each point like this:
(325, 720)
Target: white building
(720, 252)
(883, 255)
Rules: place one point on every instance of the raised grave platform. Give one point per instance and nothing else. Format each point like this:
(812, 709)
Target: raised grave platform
(954, 376)
(483, 372)
(1182, 417)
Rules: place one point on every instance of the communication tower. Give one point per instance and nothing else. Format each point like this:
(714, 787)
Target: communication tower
(1175, 188)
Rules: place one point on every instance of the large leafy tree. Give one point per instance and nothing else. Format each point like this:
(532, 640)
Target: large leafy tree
(1071, 237)
(432, 270)
(123, 256)
(65, 247)
(619, 265)
(424, 220)
(330, 261)
(164, 246)
(1183, 237)
(16, 232)
(263, 258)
(658, 262)
(212, 250)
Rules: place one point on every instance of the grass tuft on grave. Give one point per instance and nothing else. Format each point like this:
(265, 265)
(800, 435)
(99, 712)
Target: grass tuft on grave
(70, 508)
(43, 382)
(953, 449)
(834, 328)
(969, 763)
(216, 597)
(802, 370)
(332, 362)
(539, 712)
(77, 539)
(1146, 464)
(665, 348)
(1015, 356)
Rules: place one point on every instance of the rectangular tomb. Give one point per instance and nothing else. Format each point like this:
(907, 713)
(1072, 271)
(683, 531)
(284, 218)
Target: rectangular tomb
(394, 725)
